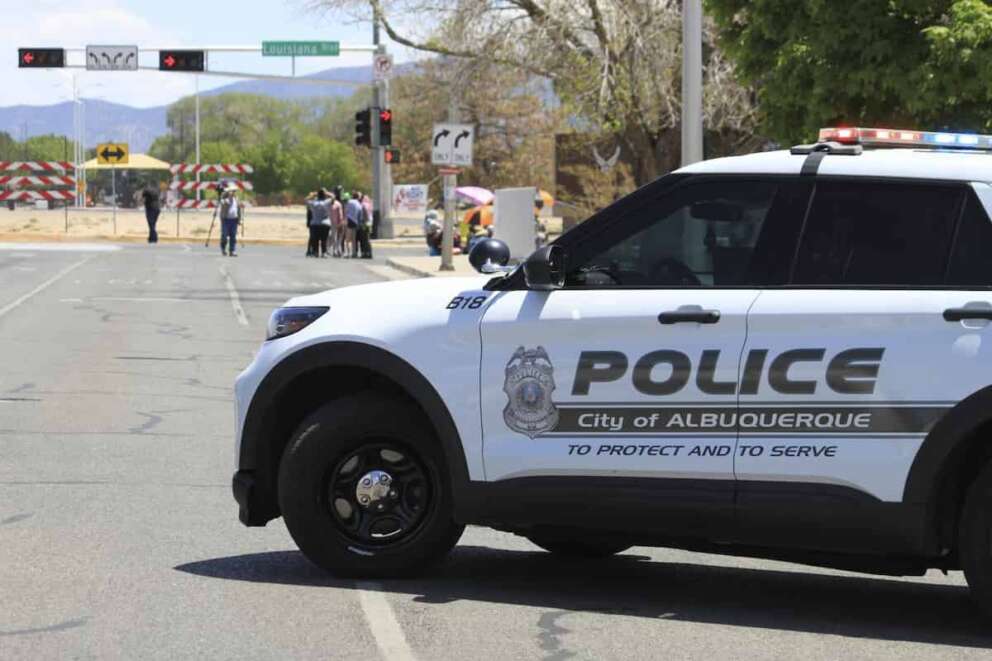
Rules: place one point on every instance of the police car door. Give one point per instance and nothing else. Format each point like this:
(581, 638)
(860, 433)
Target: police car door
(626, 379)
(883, 331)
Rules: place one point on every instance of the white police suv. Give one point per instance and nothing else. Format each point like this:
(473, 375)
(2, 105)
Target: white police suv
(785, 355)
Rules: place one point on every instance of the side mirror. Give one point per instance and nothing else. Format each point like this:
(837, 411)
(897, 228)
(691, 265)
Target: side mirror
(544, 270)
(489, 256)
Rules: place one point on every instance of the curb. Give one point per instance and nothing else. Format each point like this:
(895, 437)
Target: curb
(409, 270)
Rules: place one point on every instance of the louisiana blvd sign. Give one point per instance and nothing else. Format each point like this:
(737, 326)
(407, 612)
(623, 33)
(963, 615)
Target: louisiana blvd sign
(301, 48)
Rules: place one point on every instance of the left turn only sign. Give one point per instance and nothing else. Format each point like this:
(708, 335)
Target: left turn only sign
(112, 153)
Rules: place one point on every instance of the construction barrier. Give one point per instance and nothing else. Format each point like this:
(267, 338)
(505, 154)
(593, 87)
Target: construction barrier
(220, 170)
(12, 186)
(43, 180)
(209, 185)
(36, 166)
(26, 195)
(195, 204)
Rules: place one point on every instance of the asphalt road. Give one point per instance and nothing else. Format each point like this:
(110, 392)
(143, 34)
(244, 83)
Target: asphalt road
(119, 536)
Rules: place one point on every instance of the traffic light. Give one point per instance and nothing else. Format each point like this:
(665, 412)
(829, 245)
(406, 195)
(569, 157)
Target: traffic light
(363, 127)
(391, 156)
(39, 58)
(181, 60)
(385, 127)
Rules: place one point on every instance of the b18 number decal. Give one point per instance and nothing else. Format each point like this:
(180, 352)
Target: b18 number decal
(466, 303)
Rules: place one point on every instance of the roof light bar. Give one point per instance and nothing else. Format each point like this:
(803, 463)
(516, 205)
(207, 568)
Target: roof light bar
(904, 138)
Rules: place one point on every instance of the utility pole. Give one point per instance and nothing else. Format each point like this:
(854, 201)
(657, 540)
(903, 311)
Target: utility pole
(692, 81)
(382, 223)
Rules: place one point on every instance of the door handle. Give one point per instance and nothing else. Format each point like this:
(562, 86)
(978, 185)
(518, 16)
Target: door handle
(689, 316)
(960, 314)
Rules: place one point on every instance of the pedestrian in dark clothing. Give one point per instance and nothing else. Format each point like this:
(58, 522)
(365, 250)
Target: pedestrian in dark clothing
(320, 223)
(153, 207)
(230, 218)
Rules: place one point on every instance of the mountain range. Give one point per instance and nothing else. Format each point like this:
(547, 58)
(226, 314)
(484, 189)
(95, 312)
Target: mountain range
(106, 121)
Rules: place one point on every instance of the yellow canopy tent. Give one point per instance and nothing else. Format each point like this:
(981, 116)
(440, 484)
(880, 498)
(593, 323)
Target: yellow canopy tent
(135, 162)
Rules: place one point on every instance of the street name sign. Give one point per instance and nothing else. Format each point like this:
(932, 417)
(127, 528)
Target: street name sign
(112, 153)
(451, 144)
(301, 48)
(112, 58)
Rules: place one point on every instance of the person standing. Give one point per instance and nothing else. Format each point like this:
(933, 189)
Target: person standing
(353, 212)
(230, 218)
(320, 220)
(365, 228)
(310, 231)
(153, 207)
(337, 226)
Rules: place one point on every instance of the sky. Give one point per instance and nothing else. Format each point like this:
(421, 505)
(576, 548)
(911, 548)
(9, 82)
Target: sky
(163, 23)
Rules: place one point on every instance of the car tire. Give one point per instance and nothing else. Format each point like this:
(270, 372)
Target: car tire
(327, 459)
(975, 539)
(579, 548)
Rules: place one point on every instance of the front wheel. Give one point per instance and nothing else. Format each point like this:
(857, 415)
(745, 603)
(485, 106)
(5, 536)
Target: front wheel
(579, 548)
(363, 491)
(975, 539)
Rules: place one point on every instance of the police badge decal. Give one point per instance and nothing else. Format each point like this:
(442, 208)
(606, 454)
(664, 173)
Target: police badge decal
(528, 386)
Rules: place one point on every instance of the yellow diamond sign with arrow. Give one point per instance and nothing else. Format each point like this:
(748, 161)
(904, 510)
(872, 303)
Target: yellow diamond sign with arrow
(112, 153)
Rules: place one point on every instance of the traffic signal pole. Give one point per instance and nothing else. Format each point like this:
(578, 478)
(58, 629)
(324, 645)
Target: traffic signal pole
(382, 222)
(692, 81)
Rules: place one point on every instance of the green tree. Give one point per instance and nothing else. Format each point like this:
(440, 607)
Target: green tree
(273, 167)
(316, 162)
(898, 63)
(48, 148)
(614, 66)
(9, 149)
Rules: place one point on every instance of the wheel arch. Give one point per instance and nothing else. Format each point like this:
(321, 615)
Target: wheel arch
(950, 458)
(309, 378)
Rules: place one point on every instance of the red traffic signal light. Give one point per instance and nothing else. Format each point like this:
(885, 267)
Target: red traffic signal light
(40, 58)
(385, 127)
(391, 156)
(181, 60)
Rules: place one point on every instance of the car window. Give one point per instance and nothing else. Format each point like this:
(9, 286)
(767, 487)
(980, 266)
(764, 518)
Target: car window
(877, 234)
(701, 235)
(971, 261)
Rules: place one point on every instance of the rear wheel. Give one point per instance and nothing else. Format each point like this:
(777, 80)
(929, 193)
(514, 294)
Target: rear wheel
(363, 491)
(579, 548)
(975, 541)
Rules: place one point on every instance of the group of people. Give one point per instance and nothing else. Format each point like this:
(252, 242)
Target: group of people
(340, 223)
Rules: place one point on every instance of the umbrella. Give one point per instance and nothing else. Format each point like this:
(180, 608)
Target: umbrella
(475, 194)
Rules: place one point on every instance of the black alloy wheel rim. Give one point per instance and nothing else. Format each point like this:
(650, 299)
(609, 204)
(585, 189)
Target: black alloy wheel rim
(402, 507)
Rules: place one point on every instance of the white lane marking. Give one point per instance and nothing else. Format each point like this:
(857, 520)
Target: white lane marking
(382, 621)
(43, 286)
(61, 247)
(239, 312)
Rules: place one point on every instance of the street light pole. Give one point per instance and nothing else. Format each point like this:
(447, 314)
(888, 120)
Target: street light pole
(197, 79)
(692, 81)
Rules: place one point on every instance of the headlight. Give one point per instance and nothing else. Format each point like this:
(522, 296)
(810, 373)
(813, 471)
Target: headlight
(286, 321)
